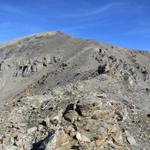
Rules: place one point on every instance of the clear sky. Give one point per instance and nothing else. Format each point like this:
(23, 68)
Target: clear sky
(124, 23)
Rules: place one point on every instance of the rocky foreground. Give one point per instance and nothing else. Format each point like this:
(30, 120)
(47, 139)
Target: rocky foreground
(62, 93)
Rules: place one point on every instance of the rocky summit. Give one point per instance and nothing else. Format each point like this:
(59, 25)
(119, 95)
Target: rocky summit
(58, 92)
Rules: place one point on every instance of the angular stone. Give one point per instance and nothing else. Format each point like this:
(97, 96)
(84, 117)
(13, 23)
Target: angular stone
(32, 130)
(131, 139)
(71, 116)
(60, 141)
(82, 138)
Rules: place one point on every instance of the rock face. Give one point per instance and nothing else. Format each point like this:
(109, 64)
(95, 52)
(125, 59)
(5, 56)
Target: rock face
(62, 93)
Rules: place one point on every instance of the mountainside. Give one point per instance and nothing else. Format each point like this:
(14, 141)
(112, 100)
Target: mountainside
(58, 92)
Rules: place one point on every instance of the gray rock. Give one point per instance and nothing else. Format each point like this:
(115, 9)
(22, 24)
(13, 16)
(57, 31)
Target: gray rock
(32, 130)
(131, 139)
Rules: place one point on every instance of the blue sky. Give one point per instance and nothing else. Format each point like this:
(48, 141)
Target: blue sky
(124, 23)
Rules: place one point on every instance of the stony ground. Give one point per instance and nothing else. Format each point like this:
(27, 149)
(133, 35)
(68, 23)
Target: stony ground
(62, 93)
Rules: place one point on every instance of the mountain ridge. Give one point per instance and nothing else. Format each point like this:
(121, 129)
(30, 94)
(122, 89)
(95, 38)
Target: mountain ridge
(61, 92)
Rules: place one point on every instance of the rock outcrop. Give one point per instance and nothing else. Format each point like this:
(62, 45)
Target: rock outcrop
(73, 119)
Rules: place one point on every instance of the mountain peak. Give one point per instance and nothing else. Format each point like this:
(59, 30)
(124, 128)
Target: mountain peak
(57, 91)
